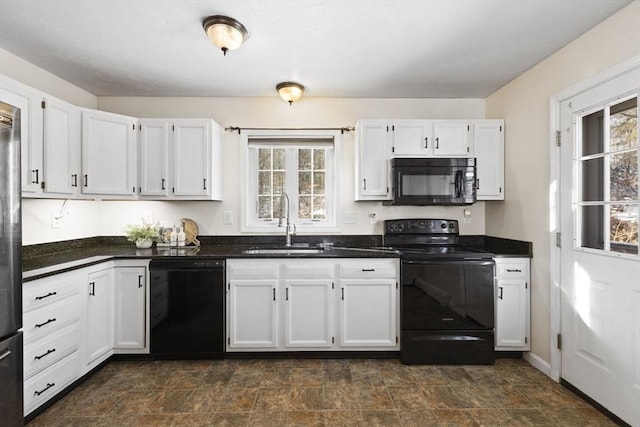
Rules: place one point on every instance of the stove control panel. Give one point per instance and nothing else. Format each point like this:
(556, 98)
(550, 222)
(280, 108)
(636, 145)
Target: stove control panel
(421, 226)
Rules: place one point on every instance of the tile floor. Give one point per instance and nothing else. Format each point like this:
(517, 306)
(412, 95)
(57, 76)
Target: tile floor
(314, 392)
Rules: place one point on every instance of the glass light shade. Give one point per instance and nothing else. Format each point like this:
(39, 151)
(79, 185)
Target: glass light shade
(290, 91)
(224, 32)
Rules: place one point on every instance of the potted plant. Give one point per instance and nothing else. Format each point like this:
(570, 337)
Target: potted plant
(142, 235)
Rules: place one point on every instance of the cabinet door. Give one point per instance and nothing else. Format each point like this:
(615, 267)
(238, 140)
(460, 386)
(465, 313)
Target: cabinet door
(488, 148)
(308, 313)
(372, 160)
(252, 314)
(511, 314)
(154, 154)
(61, 147)
(192, 158)
(30, 103)
(412, 137)
(451, 138)
(368, 313)
(129, 307)
(108, 154)
(99, 332)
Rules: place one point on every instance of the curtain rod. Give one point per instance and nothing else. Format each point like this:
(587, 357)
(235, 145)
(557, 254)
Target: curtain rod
(239, 129)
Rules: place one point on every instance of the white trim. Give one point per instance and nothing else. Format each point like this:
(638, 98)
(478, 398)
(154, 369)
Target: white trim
(540, 364)
(555, 368)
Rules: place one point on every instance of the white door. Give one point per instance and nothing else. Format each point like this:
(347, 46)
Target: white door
(451, 138)
(488, 149)
(191, 158)
(99, 335)
(252, 314)
(412, 137)
(368, 313)
(154, 155)
(61, 147)
(600, 267)
(308, 313)
(129, 307)
(372, 160)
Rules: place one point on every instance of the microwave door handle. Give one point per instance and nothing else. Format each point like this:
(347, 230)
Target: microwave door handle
(458, 184)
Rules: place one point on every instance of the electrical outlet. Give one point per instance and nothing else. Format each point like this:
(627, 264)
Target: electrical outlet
(227, 217)
(349, 217)
(56, 222)
(372, 217)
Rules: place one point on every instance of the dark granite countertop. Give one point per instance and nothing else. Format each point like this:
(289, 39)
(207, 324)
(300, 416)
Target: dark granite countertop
(38, 260)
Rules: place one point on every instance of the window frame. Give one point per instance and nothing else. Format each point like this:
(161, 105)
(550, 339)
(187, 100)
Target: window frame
(606, 154)
(249, 220)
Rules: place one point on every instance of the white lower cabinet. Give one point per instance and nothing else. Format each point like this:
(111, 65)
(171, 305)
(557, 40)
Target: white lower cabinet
(99, 325)
(53, 310)
(513, 304)
(129, 292)
(298, 305)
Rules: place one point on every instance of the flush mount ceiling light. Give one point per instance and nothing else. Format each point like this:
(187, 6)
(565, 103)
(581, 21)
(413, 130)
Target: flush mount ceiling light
(290, 91)
(225, 32)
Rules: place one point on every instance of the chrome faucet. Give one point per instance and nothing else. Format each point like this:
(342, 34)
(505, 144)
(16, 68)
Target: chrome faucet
(287, 229)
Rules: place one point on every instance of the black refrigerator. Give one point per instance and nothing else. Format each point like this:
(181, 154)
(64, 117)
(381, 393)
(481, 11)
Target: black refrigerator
(11, 376)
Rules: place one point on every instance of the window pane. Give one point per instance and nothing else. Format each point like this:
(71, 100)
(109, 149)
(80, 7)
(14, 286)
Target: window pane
(264, 207)
(318, 159)
(592, 233)
(624, 228)
(304, 183)
(592, 133)
(624, 176)
(304, 207)
(264, 182)
(593, 180)
(278, 182)
(264, 158)
(623, 126)
(277, 201)
(279, 158)
(304, 159)
(318, 183)
(319, 207)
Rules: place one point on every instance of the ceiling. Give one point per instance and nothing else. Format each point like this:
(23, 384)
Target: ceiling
(335, 48)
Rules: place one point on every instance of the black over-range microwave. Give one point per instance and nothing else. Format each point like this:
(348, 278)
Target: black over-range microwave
(433, 181)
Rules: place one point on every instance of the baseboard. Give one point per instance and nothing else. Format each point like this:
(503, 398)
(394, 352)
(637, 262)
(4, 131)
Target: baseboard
(538, 363)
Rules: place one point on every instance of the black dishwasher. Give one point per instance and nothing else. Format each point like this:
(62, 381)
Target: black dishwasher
(187, 308)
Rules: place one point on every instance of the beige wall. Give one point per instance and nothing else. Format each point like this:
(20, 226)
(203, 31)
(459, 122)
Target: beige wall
(524, 104)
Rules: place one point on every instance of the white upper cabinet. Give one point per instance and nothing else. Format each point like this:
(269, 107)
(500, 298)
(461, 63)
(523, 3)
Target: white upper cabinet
(153, 168)
(488, 146)
(108, 154)
(31, 124)
(180, 159)
(412, 138)
(373, 151)
(452, 138)
(61, 148)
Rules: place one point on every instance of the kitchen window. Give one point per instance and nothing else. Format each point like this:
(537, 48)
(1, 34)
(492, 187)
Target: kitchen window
(300, 164)
(607, 164)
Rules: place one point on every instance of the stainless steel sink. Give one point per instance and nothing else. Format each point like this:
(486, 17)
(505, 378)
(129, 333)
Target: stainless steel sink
(283, 251)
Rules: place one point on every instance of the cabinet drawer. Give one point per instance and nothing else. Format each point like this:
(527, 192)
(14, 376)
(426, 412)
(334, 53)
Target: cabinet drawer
(51, 381)
(51, 318)
(369, 268)
(308, 269)
(241, 269)
(46, 351)
(511, 270)
(43, 292)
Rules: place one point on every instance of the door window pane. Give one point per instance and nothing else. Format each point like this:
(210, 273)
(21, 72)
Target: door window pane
(624, 176)
(592, 133)
(624, 228)
(623, 126)
(593, 180)
(592, 227)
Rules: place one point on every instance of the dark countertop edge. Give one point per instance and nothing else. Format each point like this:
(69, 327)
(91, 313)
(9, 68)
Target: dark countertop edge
(110, 248)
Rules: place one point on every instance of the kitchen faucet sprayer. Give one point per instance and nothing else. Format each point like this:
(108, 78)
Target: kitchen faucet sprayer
(287, 229)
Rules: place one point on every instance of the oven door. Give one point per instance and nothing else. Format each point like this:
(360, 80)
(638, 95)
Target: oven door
(447, 294)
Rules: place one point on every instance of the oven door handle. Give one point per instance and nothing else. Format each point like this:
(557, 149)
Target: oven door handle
(475, 261)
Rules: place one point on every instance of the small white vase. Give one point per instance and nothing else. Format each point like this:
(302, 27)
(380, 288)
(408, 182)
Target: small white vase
(144, 243)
